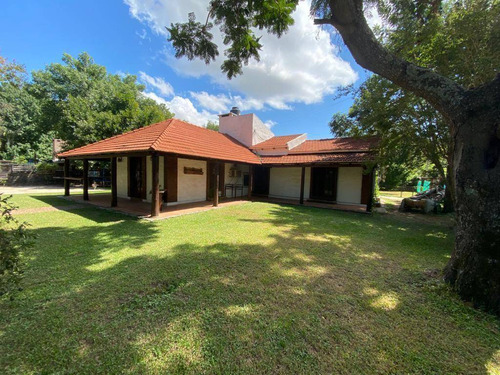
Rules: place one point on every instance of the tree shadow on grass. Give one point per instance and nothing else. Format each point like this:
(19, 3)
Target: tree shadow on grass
(121, 298)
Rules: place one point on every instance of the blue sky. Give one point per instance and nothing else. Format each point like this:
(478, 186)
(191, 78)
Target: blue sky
(291, 89)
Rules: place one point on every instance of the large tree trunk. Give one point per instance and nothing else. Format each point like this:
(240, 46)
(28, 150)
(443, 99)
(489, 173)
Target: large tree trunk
(474, 268)
(449, 196)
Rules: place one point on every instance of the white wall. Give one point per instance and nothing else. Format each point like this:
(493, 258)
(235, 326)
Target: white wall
(122, 178)
(349, 185)
(248, 129)
(191, 187)
(285, 182)
(235, 180)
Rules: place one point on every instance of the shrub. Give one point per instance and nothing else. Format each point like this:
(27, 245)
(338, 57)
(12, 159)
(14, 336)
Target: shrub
(13, 240)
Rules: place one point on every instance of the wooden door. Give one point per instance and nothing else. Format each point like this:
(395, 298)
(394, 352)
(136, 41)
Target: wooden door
(137, 177)
(261, 178)
(324, 184)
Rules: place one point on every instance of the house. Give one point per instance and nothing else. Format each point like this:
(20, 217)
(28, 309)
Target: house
(183, 163)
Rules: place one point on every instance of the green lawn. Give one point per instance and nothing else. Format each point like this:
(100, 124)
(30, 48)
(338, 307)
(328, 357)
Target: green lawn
(253, 288)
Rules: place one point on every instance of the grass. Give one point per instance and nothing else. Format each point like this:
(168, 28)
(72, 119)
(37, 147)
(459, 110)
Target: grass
(396, 194)
(248, 289)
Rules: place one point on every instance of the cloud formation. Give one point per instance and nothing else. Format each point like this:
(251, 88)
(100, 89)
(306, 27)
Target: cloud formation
(302, 66)
(164, 88)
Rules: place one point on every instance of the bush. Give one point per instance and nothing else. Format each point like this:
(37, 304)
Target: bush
(13, 240)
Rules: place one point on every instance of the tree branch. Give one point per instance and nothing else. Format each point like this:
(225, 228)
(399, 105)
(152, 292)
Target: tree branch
(441, 92)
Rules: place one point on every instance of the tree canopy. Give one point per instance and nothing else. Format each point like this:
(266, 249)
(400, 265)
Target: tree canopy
(77, 101)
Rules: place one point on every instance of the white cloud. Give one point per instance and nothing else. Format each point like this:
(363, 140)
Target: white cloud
(184, 109)
(301, 67)
(164, 88)
(142, 34)
(270, 123)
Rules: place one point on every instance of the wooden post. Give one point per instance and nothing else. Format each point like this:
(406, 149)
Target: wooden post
(302, 180)
(66, 176)
(114, 194)
(216, 184)
(155, 192)
(250, 181)
(85, 179)
(369, 204)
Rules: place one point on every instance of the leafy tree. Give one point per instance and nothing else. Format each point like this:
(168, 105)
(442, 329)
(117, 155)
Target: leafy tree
(84, 103)
(21, 135)
(472, 113)
(404, 121)
(412, 132)
(212, 125)
(13, 240)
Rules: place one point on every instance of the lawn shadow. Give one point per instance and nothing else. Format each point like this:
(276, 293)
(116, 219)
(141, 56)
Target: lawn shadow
(310, 299)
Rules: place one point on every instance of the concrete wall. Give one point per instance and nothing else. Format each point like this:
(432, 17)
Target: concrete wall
(349, 185)
(235, 180)
(285, 183)
(191, 187)
(122, 178)
(248, 129)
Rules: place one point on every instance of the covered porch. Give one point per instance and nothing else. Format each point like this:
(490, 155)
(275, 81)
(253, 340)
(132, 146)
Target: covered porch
(156, 184)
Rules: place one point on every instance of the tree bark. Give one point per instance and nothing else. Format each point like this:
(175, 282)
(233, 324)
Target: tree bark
(474, 120)
(474, 267)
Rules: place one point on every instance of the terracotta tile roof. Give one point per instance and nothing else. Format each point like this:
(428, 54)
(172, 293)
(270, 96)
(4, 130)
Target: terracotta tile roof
(171, 136)
(336, 145)
(275, 142)
(320, 158)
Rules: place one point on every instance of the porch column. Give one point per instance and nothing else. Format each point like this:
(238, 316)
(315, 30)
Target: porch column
(66, 176)
(114, 194)
(216, 184)
(302, 179)
(369, 204)
(155, 193)
(85, 179)
(250, 181)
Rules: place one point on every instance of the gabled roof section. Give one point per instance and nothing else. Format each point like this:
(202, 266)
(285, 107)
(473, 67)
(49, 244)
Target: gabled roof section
(348, 144)
(170, 136)
(276, 142)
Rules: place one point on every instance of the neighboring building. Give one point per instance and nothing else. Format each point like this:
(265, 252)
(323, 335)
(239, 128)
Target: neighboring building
(184, 159)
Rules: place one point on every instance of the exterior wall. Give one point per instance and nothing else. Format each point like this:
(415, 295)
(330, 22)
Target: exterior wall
(122, 178)
(191, 187)
(285, 182)
(349, 185)
(235, 180)
(248, 129)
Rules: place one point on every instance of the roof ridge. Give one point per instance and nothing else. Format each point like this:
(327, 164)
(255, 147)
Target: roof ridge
(113, 137)
(158, 139)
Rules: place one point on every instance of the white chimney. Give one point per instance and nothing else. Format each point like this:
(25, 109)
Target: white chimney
(247, 129)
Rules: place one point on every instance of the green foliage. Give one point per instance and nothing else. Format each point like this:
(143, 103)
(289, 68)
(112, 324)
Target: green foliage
(457, 40)
(212, 125)
(85, 104)
(21, 136)
(412, 133)
(237, 20)
(13, 240)
(77, 101)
